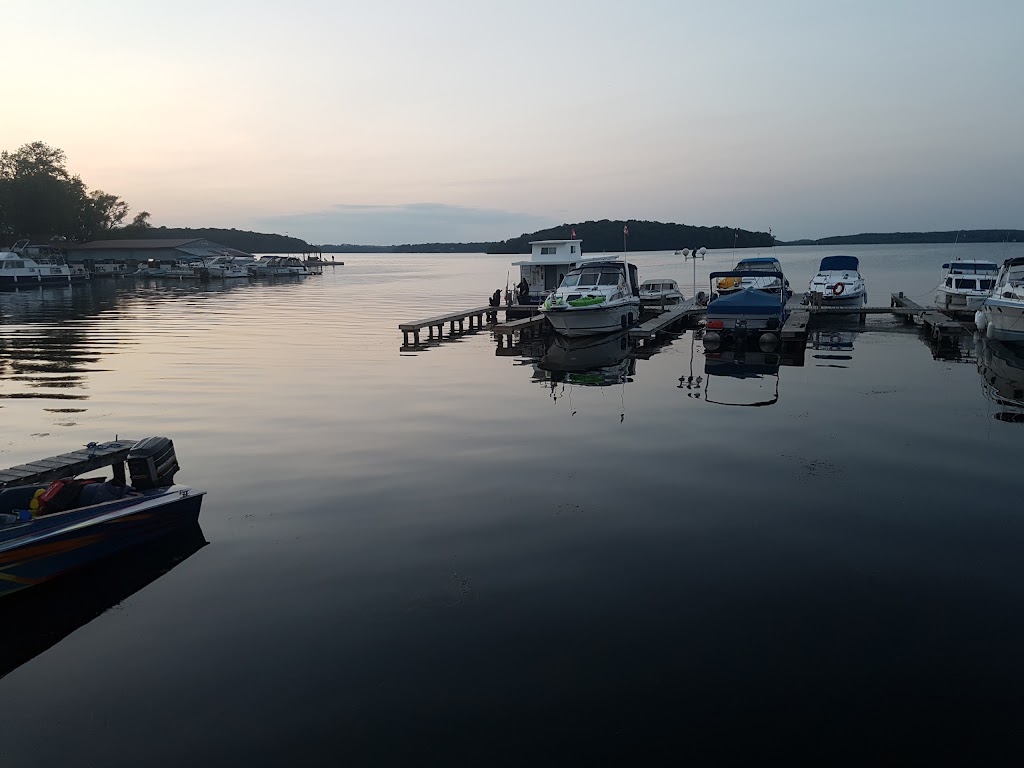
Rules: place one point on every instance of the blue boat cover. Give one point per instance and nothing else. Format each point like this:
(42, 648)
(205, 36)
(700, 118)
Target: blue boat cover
(839, 264)
(746, 302)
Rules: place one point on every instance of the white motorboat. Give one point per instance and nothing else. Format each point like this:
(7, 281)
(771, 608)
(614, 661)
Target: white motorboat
(660, 293)
(279, 266)
(223, 268)
(111, 269)
(965, 284)
(839, 281)
(1001, 315)
(771, 282)
(18, 270)
(596, 296)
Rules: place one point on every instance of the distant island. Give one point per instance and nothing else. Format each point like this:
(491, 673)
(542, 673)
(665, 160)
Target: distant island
(598, 236)
(908, 238)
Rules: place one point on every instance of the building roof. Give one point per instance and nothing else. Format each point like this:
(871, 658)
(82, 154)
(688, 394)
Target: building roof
(555, 242)
(134, 245)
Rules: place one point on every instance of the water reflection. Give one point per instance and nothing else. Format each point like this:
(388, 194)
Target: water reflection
(742, 377)
(601, 361)
(832, 347)
(1001, 367)
(39, 618)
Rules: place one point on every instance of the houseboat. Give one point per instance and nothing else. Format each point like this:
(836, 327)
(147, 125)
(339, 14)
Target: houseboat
(550, 261)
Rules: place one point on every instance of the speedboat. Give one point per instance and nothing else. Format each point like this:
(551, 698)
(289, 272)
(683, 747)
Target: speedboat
(595, 297)
(761, 274)
(1002, 314)
(748, 313)
(19, 270)
(839, 281)
(965, 284)
(660, 293)
(49, 529)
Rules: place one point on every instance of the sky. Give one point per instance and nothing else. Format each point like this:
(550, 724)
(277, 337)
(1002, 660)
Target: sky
(404, 121)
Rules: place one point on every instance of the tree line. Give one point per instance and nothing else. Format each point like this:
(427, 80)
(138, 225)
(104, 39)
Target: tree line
(905, 238)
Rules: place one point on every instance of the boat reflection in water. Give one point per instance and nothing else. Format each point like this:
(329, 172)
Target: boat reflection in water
(1001, 367)
(832, 348)
(592, 361)
(36, 619)
(742, 377)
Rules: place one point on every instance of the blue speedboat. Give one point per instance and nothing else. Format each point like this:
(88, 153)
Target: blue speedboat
(748, 312)
(48, 529)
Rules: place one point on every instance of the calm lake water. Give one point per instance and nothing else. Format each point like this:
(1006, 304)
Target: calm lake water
(459, 557)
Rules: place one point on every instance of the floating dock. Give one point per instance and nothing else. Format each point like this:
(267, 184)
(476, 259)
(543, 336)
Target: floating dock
(673, 317)
(475, 318)
(86, 459)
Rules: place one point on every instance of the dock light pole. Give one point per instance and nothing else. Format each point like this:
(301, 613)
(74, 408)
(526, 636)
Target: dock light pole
(693, 255)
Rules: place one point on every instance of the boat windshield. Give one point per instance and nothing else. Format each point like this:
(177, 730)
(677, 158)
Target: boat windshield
(758, 266)
(588, 278)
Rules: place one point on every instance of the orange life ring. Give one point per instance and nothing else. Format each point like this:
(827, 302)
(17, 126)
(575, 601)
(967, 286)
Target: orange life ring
(838, 288)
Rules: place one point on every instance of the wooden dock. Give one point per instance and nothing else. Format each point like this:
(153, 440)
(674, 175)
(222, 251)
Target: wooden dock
(474, 316)
(524, 323)
(671, 317)
(941, 326)
(86, 459)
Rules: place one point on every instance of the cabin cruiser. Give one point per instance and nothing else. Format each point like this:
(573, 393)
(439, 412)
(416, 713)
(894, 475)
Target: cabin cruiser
(660, 293)
(965, 284)
(596, 296)
(771, 281)
(839, 281)
(1002, 314)
(279, 266)
(19, 270)
(48, 529)
(223, 268)
(750, 312)
(550, 261)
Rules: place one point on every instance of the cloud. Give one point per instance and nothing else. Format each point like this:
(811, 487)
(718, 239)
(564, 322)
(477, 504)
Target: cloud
(399, 224)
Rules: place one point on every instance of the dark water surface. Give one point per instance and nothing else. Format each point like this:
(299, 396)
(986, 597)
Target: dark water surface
(459, 557)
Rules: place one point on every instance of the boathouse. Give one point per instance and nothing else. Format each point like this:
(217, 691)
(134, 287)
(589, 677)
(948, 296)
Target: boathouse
(135, 252)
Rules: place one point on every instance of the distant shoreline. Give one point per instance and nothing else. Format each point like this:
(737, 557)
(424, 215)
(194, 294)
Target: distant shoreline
(917, 238)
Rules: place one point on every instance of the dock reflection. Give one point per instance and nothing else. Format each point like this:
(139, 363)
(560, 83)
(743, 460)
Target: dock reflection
(36, 619)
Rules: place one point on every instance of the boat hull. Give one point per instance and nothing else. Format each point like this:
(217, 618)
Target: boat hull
(91, 534)
(592, 321)
(15, 282)
(959, 302)
(1005, 319)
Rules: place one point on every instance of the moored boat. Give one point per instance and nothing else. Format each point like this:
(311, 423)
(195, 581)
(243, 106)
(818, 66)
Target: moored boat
(839, 281)
(965, 284)
(49, 529)
(596, 297)
(749, 313)
(549, 263)
(20, 270)
(279, 266)
(658, 293)
(1001, 315)
(760, 273)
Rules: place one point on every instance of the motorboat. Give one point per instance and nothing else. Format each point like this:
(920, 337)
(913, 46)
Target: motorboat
(279, 266)
(20, 270)
(223, 268)
(111, 269)
(1001, 315)
(759, 273)
(49, 529)
(839, 282)
(659, 293)
(598, 296)
(550, 261)
(748, 313)
(965, 284)
(1001, 367)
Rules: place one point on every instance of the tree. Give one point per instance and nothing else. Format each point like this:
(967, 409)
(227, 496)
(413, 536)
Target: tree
(40, 198)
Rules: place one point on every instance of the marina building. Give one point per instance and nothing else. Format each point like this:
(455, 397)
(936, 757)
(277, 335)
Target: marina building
(132, 253)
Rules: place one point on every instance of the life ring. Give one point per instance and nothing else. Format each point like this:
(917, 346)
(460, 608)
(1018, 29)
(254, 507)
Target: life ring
(838, 289)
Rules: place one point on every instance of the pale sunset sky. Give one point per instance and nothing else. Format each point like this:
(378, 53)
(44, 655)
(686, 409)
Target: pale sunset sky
(404, 121)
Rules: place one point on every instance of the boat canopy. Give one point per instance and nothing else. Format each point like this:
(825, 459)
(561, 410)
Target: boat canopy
(839, 264)
(746, 302)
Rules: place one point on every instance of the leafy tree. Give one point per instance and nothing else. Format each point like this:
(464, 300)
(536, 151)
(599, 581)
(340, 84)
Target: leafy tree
(40, 198)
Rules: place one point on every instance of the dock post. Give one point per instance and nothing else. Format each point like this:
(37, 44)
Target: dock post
(405, 338)
(416, 337)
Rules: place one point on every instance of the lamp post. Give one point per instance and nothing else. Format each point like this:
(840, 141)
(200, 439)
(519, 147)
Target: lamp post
(693, 255)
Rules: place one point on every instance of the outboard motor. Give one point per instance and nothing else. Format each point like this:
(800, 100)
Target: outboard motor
(152, 463)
